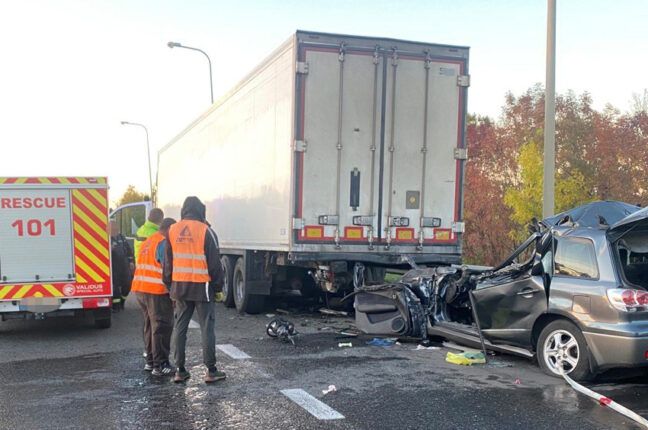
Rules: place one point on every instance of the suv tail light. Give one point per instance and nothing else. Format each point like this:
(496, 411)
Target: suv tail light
(628, 300)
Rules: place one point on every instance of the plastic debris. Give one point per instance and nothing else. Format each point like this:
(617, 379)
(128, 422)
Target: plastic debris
(327, 311)
(385, 343)
(282, 311)
(282, 329)
(348, 334)
(330, 389)
(518, 382)
(466, 358)
(454, 346)
(270, 315)
(345, 345)
(425, 348)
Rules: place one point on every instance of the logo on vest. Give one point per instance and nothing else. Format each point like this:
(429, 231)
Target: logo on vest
(185, 236)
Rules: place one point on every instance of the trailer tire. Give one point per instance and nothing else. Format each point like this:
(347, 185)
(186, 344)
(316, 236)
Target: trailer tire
(245, 302)
(228, 291)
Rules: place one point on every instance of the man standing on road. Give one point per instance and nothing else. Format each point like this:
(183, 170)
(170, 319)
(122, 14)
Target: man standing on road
(193, 269)
(151, 226)
(123, 265)
(153, 299)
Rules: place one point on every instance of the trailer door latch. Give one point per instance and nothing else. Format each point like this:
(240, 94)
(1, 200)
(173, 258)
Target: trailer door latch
(298, 223)
(299, 146)
(463, 80)
(461, 153)
(302, 68)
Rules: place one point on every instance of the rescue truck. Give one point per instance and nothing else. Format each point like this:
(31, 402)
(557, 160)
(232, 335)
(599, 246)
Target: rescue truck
(55, 248)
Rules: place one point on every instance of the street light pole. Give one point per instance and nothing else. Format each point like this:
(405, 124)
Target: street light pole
(211, 85)
(148, 152)
(548, 198)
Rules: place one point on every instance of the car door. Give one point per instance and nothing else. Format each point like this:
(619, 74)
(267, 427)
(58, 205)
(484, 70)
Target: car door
(508, 303)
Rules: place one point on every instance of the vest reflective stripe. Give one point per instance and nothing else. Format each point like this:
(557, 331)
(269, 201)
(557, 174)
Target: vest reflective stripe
(190, 270)
(148, 272)
(179, 256)
(187, 240)
(150, 267)
(148, 279)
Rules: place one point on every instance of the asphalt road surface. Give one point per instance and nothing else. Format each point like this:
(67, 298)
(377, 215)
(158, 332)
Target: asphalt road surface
(64, 374)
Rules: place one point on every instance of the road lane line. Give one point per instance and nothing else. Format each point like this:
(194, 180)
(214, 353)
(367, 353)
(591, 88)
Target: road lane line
(313, 406)
(233, 352)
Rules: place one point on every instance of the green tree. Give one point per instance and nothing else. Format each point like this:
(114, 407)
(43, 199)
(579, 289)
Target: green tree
(131, 195)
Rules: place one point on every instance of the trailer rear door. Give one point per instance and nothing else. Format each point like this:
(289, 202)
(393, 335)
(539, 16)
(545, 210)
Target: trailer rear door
(379, 141)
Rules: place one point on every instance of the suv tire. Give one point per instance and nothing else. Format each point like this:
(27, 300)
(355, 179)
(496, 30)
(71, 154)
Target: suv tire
(562, 342)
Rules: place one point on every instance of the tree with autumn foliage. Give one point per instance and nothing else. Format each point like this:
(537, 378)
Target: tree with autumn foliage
(601, 155)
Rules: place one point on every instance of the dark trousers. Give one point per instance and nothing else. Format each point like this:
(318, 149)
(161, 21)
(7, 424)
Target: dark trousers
(157, 311)
(206, 318)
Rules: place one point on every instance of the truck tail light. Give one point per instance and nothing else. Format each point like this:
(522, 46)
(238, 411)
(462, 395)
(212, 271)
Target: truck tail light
(628, 300)
(93, 303)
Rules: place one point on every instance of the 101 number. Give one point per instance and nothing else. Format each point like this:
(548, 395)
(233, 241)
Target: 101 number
(34, 227)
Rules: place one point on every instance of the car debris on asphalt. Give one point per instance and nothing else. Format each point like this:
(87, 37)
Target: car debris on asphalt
(282, 329)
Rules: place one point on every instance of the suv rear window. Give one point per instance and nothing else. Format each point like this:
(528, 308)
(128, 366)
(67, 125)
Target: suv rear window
(576, 258)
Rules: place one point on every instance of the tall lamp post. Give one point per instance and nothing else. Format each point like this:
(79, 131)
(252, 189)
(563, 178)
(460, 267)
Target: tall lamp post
(148, 151)
(180, 45)
(550, 115)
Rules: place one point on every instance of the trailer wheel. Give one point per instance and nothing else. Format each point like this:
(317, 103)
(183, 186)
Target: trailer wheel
(102, 319)
(228, 291)
(245, 302)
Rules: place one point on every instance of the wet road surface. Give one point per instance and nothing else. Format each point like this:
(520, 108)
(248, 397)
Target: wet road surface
(64, 374)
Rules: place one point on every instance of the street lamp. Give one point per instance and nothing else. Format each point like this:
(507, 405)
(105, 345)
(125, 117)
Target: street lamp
(180, 45)
(548, 186)
(148, 151)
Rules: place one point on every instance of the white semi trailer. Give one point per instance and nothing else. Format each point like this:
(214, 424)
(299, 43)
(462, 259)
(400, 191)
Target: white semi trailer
(334, 150)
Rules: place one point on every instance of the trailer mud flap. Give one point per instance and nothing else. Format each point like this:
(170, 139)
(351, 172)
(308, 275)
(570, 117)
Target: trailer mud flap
(389, 312)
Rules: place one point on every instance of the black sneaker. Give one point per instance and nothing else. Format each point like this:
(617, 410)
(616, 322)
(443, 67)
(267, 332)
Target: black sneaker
(181, 375)
(165, 370)
(214, 375)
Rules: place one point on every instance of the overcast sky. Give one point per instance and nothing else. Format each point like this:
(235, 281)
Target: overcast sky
(71, 70)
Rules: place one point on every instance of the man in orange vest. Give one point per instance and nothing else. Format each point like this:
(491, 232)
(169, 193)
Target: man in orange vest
(154, 301)
(193, 269)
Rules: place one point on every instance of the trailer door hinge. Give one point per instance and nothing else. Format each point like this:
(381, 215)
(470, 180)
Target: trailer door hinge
(302, 68)
(463, 80)
(459, 227)
(298, 223)
(299, 146)
(461, 153)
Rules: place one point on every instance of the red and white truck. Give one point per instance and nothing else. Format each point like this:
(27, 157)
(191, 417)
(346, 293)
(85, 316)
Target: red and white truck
(55, 248)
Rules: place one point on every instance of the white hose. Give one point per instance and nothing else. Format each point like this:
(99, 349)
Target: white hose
(605, 401)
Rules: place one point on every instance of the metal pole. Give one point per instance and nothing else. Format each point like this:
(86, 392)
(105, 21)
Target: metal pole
(148, 153)
(211, 84)
(548, 205)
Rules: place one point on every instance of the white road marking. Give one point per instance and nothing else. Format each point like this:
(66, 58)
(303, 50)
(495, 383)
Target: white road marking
(313, 406)
(233, 352)
(193, 324)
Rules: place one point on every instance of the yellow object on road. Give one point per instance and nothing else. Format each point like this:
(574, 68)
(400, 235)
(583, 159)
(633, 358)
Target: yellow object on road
(466, 358)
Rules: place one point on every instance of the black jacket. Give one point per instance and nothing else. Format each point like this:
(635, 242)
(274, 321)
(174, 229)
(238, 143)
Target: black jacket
(122, 255)
(193, 209)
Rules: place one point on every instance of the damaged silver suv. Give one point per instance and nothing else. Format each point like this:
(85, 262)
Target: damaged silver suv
(574, 295)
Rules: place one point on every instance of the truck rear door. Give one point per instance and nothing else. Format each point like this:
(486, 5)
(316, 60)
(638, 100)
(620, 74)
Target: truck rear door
(379, 144)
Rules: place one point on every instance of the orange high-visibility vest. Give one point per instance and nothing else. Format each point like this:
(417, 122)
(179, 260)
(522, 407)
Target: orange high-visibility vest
(187, 240)
(148, 273)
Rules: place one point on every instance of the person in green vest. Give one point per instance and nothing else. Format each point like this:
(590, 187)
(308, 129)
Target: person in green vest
(151, 226)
